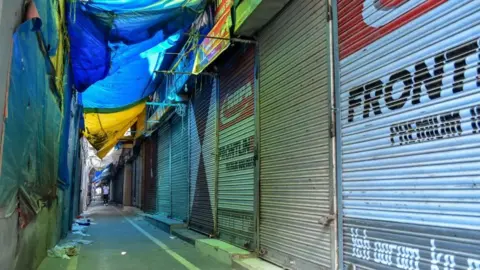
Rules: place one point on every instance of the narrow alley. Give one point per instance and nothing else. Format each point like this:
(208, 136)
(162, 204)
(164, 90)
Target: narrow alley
(123, 240)
(239, 134)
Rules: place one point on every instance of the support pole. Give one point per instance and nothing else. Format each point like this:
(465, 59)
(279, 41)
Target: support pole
(185, 73)
(238, 40)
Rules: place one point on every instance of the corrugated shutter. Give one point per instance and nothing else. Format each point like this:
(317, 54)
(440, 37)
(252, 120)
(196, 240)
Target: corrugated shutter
(164, 187)
(139, 178)
(296, 196)
(118, 186)
(150, 173)
(409, 101)
(236, 149)
(134, 182)
(203, 164)
(179, 156)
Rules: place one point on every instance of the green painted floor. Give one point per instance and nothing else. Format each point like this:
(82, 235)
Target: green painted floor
(146, 247)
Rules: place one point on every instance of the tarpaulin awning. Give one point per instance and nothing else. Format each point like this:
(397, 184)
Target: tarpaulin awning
(132, 73)
(101, 175)
(102, 30)
(104, 129)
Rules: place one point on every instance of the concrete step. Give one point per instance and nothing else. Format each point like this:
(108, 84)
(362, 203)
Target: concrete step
(164, 223)
(221, 251)
(253, 264)
(188, 236)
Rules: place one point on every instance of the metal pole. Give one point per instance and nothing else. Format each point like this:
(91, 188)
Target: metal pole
(338, 130)
(163, 104)
(239, 40)
(185, 73)
(256, 71)
(217, 153)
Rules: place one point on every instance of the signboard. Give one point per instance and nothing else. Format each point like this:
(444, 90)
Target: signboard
(222, 7)
(376, 19)
(409, 114)
(237, 106)
(211, 48)
(243, 10)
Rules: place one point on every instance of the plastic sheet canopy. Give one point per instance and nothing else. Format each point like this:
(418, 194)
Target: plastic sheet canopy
(104, 129)
(32, 125)
(132, 73)
(117, 45)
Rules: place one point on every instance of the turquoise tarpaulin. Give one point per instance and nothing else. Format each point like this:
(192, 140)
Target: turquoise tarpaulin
(117, 46)
(32, 125)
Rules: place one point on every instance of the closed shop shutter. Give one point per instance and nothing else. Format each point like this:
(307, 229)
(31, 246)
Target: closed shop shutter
(150, 175)
(203, 165)
(236, 149)
(409, 99)
(296, 197)
(134, 182)
(118, 186)
(139, 179)
(179, 156)
(164, 187)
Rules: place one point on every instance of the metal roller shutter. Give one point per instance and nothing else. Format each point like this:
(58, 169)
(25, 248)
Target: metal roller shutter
(409, 100)
(118, 186)
(164, 187)
(179, 156)
(139, 179)
(203, 162)
(296, 187)
(134, 182)
(236, 149)
(150, 173)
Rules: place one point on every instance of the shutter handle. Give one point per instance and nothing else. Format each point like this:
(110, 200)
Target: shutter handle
(326, 220)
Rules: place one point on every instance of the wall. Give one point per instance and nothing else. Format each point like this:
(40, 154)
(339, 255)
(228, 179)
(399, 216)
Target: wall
(30, 142)
(39, 236)
(10, 17)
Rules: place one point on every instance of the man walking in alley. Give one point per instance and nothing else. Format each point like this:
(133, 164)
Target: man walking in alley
(106, 191)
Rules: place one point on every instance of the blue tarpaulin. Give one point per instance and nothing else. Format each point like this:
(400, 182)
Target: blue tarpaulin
(117, 45)
(101, 175)
(132, 74)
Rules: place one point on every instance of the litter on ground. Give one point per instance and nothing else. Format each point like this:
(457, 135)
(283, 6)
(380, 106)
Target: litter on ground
(67, 250)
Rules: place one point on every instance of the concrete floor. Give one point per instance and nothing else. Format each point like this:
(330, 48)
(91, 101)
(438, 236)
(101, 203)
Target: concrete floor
(146, 247)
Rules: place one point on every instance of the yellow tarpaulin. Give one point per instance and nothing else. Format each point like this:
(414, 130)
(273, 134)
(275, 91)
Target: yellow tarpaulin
(103, 130)
(141, 124)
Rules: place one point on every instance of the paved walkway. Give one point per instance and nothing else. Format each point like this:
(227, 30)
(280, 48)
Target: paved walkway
(143, 246)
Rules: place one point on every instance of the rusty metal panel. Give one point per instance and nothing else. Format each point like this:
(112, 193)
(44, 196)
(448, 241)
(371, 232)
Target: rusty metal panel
(179, 173)
(409, 114)
(149, 203)
(296, 187)
(203, 164)
(236, 149)
(164, 185)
